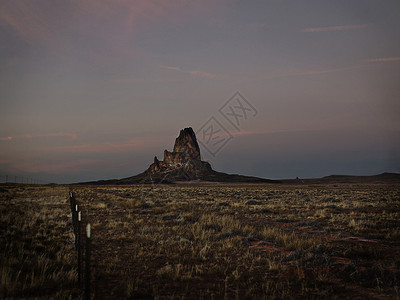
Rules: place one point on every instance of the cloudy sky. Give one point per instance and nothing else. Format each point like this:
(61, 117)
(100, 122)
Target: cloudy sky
(94, 89)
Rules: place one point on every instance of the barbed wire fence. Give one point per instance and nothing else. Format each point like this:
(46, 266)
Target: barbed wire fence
(7, 178)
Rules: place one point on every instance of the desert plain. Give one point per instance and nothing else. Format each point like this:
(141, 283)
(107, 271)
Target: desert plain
(200, 240)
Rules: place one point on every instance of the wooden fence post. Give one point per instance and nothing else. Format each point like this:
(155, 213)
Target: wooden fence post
(72, 201)
(74, 211)
(87, 269)
(79, 250)
(75, 219)
(77, 223)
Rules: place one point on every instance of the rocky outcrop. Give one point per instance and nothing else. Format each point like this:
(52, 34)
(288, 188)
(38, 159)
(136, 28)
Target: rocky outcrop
(186, 149)
(182, 164)
(186, 143)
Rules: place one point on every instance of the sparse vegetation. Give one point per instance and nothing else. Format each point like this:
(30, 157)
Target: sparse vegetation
(213, 241)
(37, 257)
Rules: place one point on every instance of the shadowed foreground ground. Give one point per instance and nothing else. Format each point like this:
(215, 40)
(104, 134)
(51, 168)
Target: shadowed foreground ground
(207, 241)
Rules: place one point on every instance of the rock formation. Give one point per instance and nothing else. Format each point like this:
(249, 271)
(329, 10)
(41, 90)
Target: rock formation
(182, 164)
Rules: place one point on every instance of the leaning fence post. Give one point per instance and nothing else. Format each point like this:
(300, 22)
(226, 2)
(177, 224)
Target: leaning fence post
(87, 269)
(76, 224)
(74, 221)
(71, 200)
(79, 250)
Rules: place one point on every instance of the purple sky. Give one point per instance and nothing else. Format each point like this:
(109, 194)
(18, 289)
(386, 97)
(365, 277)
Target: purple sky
(93, 89)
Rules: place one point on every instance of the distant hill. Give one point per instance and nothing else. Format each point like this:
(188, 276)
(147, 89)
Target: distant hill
(336, 179)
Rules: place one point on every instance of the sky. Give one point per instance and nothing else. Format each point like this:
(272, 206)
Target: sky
(94, 89)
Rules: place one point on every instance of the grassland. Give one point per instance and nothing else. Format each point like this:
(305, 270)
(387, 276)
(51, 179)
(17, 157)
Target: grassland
(207, 241)
(37, 259)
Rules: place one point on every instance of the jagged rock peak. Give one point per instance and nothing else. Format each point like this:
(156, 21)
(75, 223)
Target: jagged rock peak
(182, 164)
(186, 143)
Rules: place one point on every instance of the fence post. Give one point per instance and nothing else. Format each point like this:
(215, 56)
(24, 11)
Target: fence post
(74, 211)
(71, 200)
(79, 250)
(87, 268)
(76, 226)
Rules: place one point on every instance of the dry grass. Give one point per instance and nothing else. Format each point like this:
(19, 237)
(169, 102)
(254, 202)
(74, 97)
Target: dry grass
(37, 257)
(222, 241)
(243, 241)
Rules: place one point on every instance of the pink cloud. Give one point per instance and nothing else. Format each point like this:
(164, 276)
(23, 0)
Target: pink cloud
(191, 72)
(131, 12)
(383, 59)
(52, 167)
(295, 73)
(99, 148)
(44, 22)
(227, 24)
(40, 135)
(26, 19)
(335, 28)
(261, 132)
(36, 160)
(108, 147)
